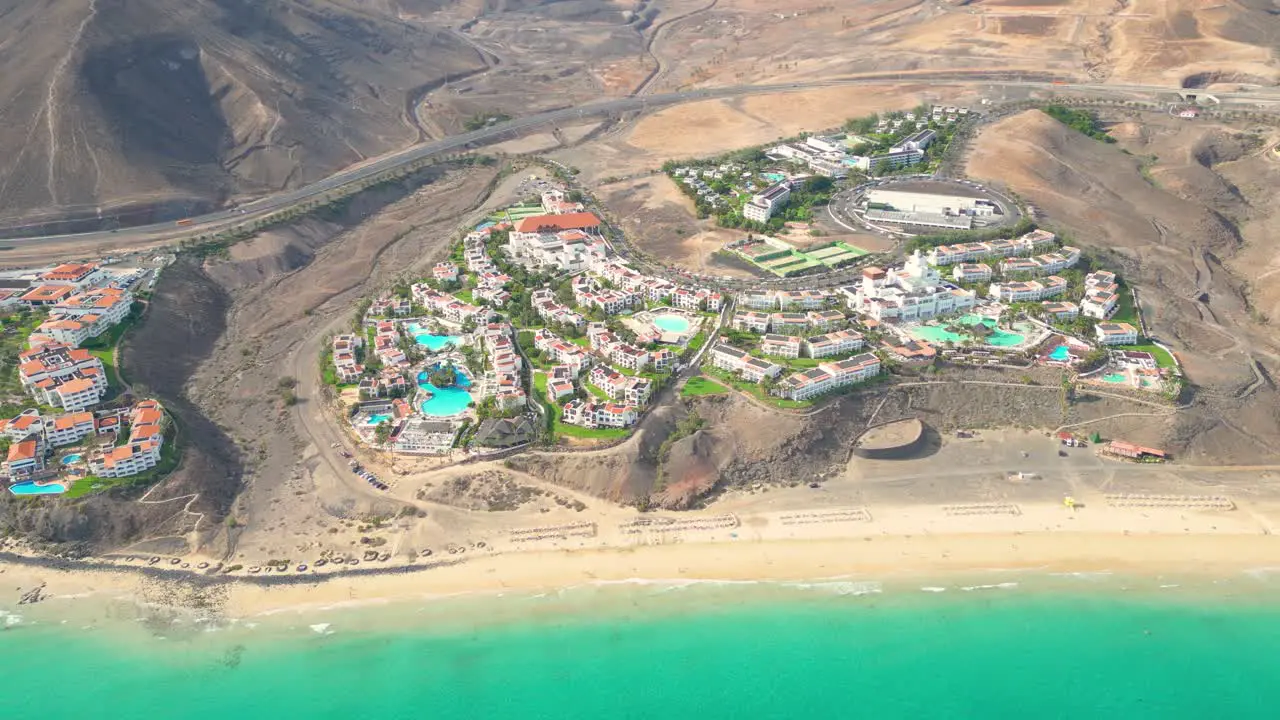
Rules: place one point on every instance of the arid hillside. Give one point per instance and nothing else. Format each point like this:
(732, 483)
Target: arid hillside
(1168, 213)
(109, 103)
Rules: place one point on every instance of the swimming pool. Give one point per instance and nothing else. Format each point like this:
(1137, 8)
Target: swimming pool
(939, 333)
(30, 488)
(71, 459)
(1060, 354)
(430, 341)
(445, 401)
(376, 420)
(1115, 378)
(775, 177)
(671, 324)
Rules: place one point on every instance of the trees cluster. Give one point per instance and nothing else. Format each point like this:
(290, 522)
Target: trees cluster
(1082, 121)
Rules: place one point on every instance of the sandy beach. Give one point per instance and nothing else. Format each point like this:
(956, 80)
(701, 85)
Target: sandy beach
(911, 542)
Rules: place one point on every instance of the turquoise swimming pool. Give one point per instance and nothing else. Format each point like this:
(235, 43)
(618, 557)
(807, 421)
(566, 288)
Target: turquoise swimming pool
(71, 459)
(431, 341)
(1115, 378)
(445, 401)
(380, 418)
(1060, 354)
(775, 177)
(30, 488)
(671, 323)
(938, 333)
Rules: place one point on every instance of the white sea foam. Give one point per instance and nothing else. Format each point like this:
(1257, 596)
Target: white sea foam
(321, 629)
(932, 589)
(1099, 575)
(865, 587)
(996, 586)
(10, 619)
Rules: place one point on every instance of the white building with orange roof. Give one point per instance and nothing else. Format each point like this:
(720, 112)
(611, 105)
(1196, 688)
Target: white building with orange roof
(76, 275)
(129, 459)
(61, 376)
(72, 333)
(24, 425)
(46, 295)
(109, 305)
(68, 429)
(24, 459)
(445, 272)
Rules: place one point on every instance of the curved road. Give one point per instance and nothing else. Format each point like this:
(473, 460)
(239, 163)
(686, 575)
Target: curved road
(415, 153)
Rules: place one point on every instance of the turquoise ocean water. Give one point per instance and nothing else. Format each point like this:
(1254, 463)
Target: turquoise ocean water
(1071, 649)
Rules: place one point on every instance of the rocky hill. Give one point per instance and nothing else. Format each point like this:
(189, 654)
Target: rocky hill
(170, 107)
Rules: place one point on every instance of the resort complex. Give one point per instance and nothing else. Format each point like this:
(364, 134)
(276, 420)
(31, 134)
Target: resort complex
(81, 430)
(537, 322)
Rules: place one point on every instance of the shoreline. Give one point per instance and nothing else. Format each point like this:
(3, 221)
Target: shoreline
(895, 558)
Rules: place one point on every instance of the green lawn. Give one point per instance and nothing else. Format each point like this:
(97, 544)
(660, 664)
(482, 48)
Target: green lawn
(1125, 311)
(107, 356)
(597, 392)
(580, 341)
(756, 390)
(540, 387)
(465, 296)
(1163, 359)
(169, 459)
(109, 338)
(699, 386)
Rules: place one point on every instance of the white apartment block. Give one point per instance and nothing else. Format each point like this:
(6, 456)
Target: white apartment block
(784, 346)
(589, 293)
(910, 293)
(825, 319)
(749, 321)
(560, 351)
(1101, 295)
(759, 300)
(68, 429)
(1028, 291)
(1046, 264)
(727, 357)
(622, 388)
(801, 299)
(829, 376)
(75, 275)
(599, 415)
(968, 252)
(836, 343)
(1116, 333)
(971, 272)
(764, 204)
(545, 304)
(781, 322)
(64, 377)
(1060, 310)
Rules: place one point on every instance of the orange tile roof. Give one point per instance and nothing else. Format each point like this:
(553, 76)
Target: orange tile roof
(47, 293)
(143, 432)
(69, 271)
(25, 450)
(553, 223)
(22, 422)
(77, 385)
(146, 416)
(71, 420)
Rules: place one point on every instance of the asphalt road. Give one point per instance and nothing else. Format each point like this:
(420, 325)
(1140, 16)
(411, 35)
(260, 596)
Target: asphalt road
(399, 159)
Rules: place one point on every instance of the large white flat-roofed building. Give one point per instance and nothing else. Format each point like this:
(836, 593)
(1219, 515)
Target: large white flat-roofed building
(931, 203)
(1116, 333)
(764, 204)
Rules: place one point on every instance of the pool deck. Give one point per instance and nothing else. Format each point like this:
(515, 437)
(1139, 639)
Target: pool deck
(642, 323)
(1032, 335)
